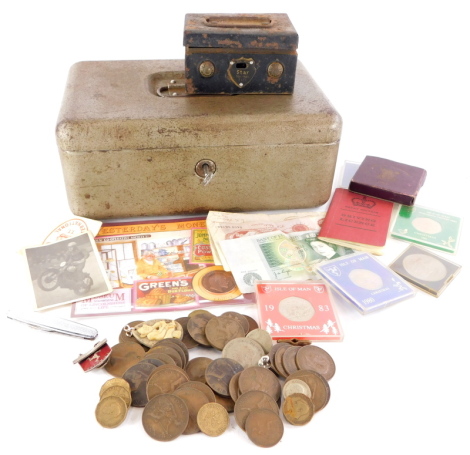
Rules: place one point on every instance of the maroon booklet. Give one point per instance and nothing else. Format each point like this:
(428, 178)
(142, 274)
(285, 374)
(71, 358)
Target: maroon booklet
(357, 221)
(386, 179)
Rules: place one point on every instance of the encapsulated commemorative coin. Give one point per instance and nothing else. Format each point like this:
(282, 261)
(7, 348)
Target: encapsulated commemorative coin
(214, 283)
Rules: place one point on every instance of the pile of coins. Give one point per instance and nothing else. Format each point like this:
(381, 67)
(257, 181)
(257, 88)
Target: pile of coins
(115, 400)
(183, 396)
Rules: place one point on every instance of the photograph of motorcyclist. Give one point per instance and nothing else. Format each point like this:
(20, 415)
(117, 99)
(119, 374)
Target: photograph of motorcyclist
(150, 268)
(75, 259)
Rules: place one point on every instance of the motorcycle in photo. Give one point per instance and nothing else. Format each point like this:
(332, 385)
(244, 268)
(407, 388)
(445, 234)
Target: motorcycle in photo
(65, 276)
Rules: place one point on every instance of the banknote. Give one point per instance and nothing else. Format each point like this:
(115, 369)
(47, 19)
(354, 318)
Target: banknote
(267, 256)
(225, 225)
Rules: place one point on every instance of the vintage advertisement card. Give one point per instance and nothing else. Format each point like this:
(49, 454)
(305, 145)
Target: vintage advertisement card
(158, 266)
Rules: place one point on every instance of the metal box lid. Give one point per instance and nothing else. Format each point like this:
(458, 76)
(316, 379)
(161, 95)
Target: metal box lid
(114, 105)
(247, 31)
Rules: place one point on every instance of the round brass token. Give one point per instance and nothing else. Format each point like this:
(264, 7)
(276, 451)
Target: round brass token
(245, 351)
(213, 419)
(196, 368)
(137, 376)
(194, 400)
(118, 391)
(165, 379)
(316, 359)
(214, 283)
(165, 417)
(298, 409)
(219, 373)
(240, 318)
(319, 387)
(187, 339)
(288, 360)
(264, 427)
(220, 330)
(263, 338)
(259, 378)
(114, 381)
(197, 327)
(249, 401)
(123, 356)
(111, 412)
(204, 388)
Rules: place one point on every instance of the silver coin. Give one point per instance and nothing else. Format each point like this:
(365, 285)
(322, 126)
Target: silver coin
(263, 338)
(296, 386)
(245, 351)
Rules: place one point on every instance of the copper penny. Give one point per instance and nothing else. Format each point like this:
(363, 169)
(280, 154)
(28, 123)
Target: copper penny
(213, 419)
(137, 377)
(252, 323)
(165, 358)
(194, 400)
(226, 402)
(241, 318)
(165, 379)
(196, 368)
(123, 356)
(272, 353)
(259, 378)
(179, 346)
(233, 388)
(316, 359)
(219, 372)
(197, 327)
(219, 282)
(278, 359)
(204, 388)
(155, 362)
(168, 350)
(249, 401)
(245, 351)
(288, 360)
(298, 409)
(188, 340)
(264, 427)
(220, 330)
(165, 417)
(319, 387)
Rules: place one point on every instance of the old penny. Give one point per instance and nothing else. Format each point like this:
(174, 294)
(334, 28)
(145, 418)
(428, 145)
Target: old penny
(259, 378)
(137, 376)
(187, 339)
(264, 427)
(213, 419)
(240, 318)
(219, 373)
(196, 368)
(197, 327)
(249, 401)
(283, 347)
(194, 400)
(123, 356)
(202, 387)
(288, 359)
(316, 359)
(165, 417)
(319, 387)
(298, 409)
(111, 412)
(220, 330)
(165, 379)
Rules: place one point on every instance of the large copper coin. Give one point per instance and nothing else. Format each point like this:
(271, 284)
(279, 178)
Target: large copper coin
(252, 323)
(127, 335)
(249, 401)
(164, 358)
(272, 353)
(220, 330)
(165, 379)
(259, 378)
(168, 350)
(123, 356)
(179, 346)
(155, 362)
(288, 360)
(263, 338)
(241, 318)
(111, 412)
(213, 419)
(196, 368)
(298, 409)
(316, 359)
(118, 391)
(245, 351)
(278, 359)
(194, 400)
(187, 339)
(214, 283)
(318, 386)
(137, 377)
(226, 402)
(233, 387)
(165, 417)
(264, 427)
(197, 327)
(204, 388)
(112, 382)
(218, 374)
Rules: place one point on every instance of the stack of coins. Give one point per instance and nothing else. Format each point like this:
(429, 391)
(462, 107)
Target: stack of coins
(115, 400)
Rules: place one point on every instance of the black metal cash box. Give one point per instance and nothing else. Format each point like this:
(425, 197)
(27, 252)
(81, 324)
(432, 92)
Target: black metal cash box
(240, 54)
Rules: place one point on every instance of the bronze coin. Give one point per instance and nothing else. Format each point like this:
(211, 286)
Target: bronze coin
(252, 323)
(179, 346)
(165, 379)
(195, 312)
(204, 388)
(127, 335)
(220, 330)
(118, 391)
(196, 368)
(245, 351)
(241, 318)
(249, 401)
(165, 358)
(197, 327)
(111, 412)
(318, 386)
(112, 382)
(123, 356)
(264, 427)
(218, 374)
(168, 350)
(213, 419)
(226, 402)
(219, 282)
(316, 359)
(137, 377)
(298, 409)
(278, 359)
(272, 353)
(259, 378)
(194, 400)
(188, 340)
(165, 417)
(155, 362)
(233, 388)
(288, 360)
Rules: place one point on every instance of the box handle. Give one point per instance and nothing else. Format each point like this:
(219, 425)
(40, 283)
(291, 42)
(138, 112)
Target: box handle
(239, 21)
(206, 170)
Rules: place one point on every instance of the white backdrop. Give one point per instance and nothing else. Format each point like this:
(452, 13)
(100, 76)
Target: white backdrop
(398, 74)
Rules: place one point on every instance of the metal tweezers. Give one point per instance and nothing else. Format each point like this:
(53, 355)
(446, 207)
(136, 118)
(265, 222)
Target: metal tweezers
(51, 324)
